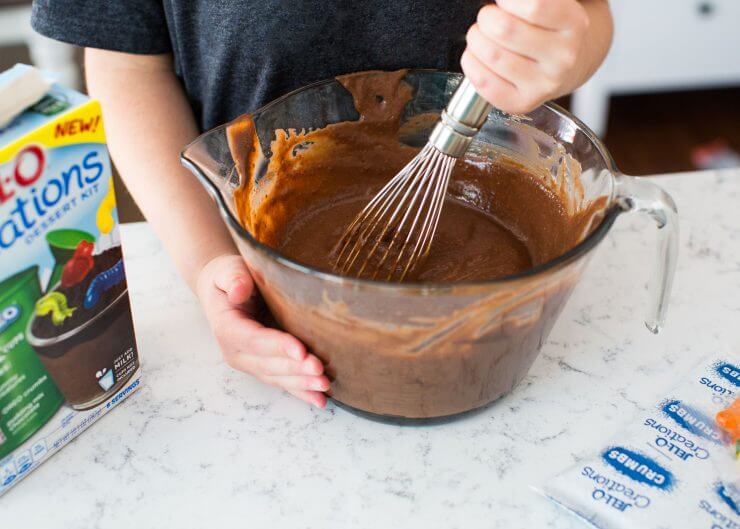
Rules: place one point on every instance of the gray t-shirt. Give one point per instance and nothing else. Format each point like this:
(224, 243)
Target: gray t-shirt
(233, 57)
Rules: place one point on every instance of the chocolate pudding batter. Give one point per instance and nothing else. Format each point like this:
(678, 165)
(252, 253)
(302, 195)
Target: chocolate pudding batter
(389, 352)
(498, 219)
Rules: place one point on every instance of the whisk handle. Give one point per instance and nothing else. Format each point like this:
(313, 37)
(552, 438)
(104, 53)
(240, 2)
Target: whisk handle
(460, 121)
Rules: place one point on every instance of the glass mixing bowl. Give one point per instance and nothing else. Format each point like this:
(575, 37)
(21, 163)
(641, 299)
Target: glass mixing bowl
(420, 350)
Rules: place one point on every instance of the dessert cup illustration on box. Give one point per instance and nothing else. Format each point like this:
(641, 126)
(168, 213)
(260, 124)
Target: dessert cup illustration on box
(82, 328)
(82, 332)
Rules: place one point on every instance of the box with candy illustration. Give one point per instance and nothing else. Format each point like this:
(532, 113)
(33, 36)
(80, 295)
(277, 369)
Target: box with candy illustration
(67, 347)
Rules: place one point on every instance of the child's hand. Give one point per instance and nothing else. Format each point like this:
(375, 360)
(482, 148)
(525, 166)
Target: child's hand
(522, 53)
(225, 289)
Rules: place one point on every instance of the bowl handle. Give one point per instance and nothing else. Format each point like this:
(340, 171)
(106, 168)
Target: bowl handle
(642, 195)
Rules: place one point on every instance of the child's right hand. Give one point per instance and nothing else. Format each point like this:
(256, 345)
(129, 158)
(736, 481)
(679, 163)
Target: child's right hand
(226, 291)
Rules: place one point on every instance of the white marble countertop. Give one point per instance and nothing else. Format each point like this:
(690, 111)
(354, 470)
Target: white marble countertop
(203, 446)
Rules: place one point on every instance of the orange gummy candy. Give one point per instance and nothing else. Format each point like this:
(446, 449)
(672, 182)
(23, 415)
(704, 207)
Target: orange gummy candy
(729, 420)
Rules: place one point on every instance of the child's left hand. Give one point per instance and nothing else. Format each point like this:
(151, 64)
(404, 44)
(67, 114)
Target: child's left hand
(522, 53)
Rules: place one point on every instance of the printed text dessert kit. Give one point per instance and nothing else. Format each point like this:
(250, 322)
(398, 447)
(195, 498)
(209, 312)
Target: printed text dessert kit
(67, 348)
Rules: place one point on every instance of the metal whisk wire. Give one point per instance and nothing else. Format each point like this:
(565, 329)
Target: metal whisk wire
(419, 187)
(440, 176)
(415, 194)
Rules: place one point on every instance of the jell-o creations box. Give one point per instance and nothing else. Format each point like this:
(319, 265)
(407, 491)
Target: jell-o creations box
(67, 348)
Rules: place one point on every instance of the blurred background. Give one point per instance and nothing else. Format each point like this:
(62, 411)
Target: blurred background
(667, 98)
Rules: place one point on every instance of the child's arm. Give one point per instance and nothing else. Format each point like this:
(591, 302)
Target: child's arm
(523, 52)
(148, 121)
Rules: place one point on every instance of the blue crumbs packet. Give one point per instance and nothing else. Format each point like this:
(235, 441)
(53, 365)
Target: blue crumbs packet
(671, 467)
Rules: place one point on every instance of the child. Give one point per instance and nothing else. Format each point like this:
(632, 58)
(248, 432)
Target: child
(165, 71)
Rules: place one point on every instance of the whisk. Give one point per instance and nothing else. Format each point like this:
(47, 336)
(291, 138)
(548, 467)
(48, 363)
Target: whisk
(394, 232)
